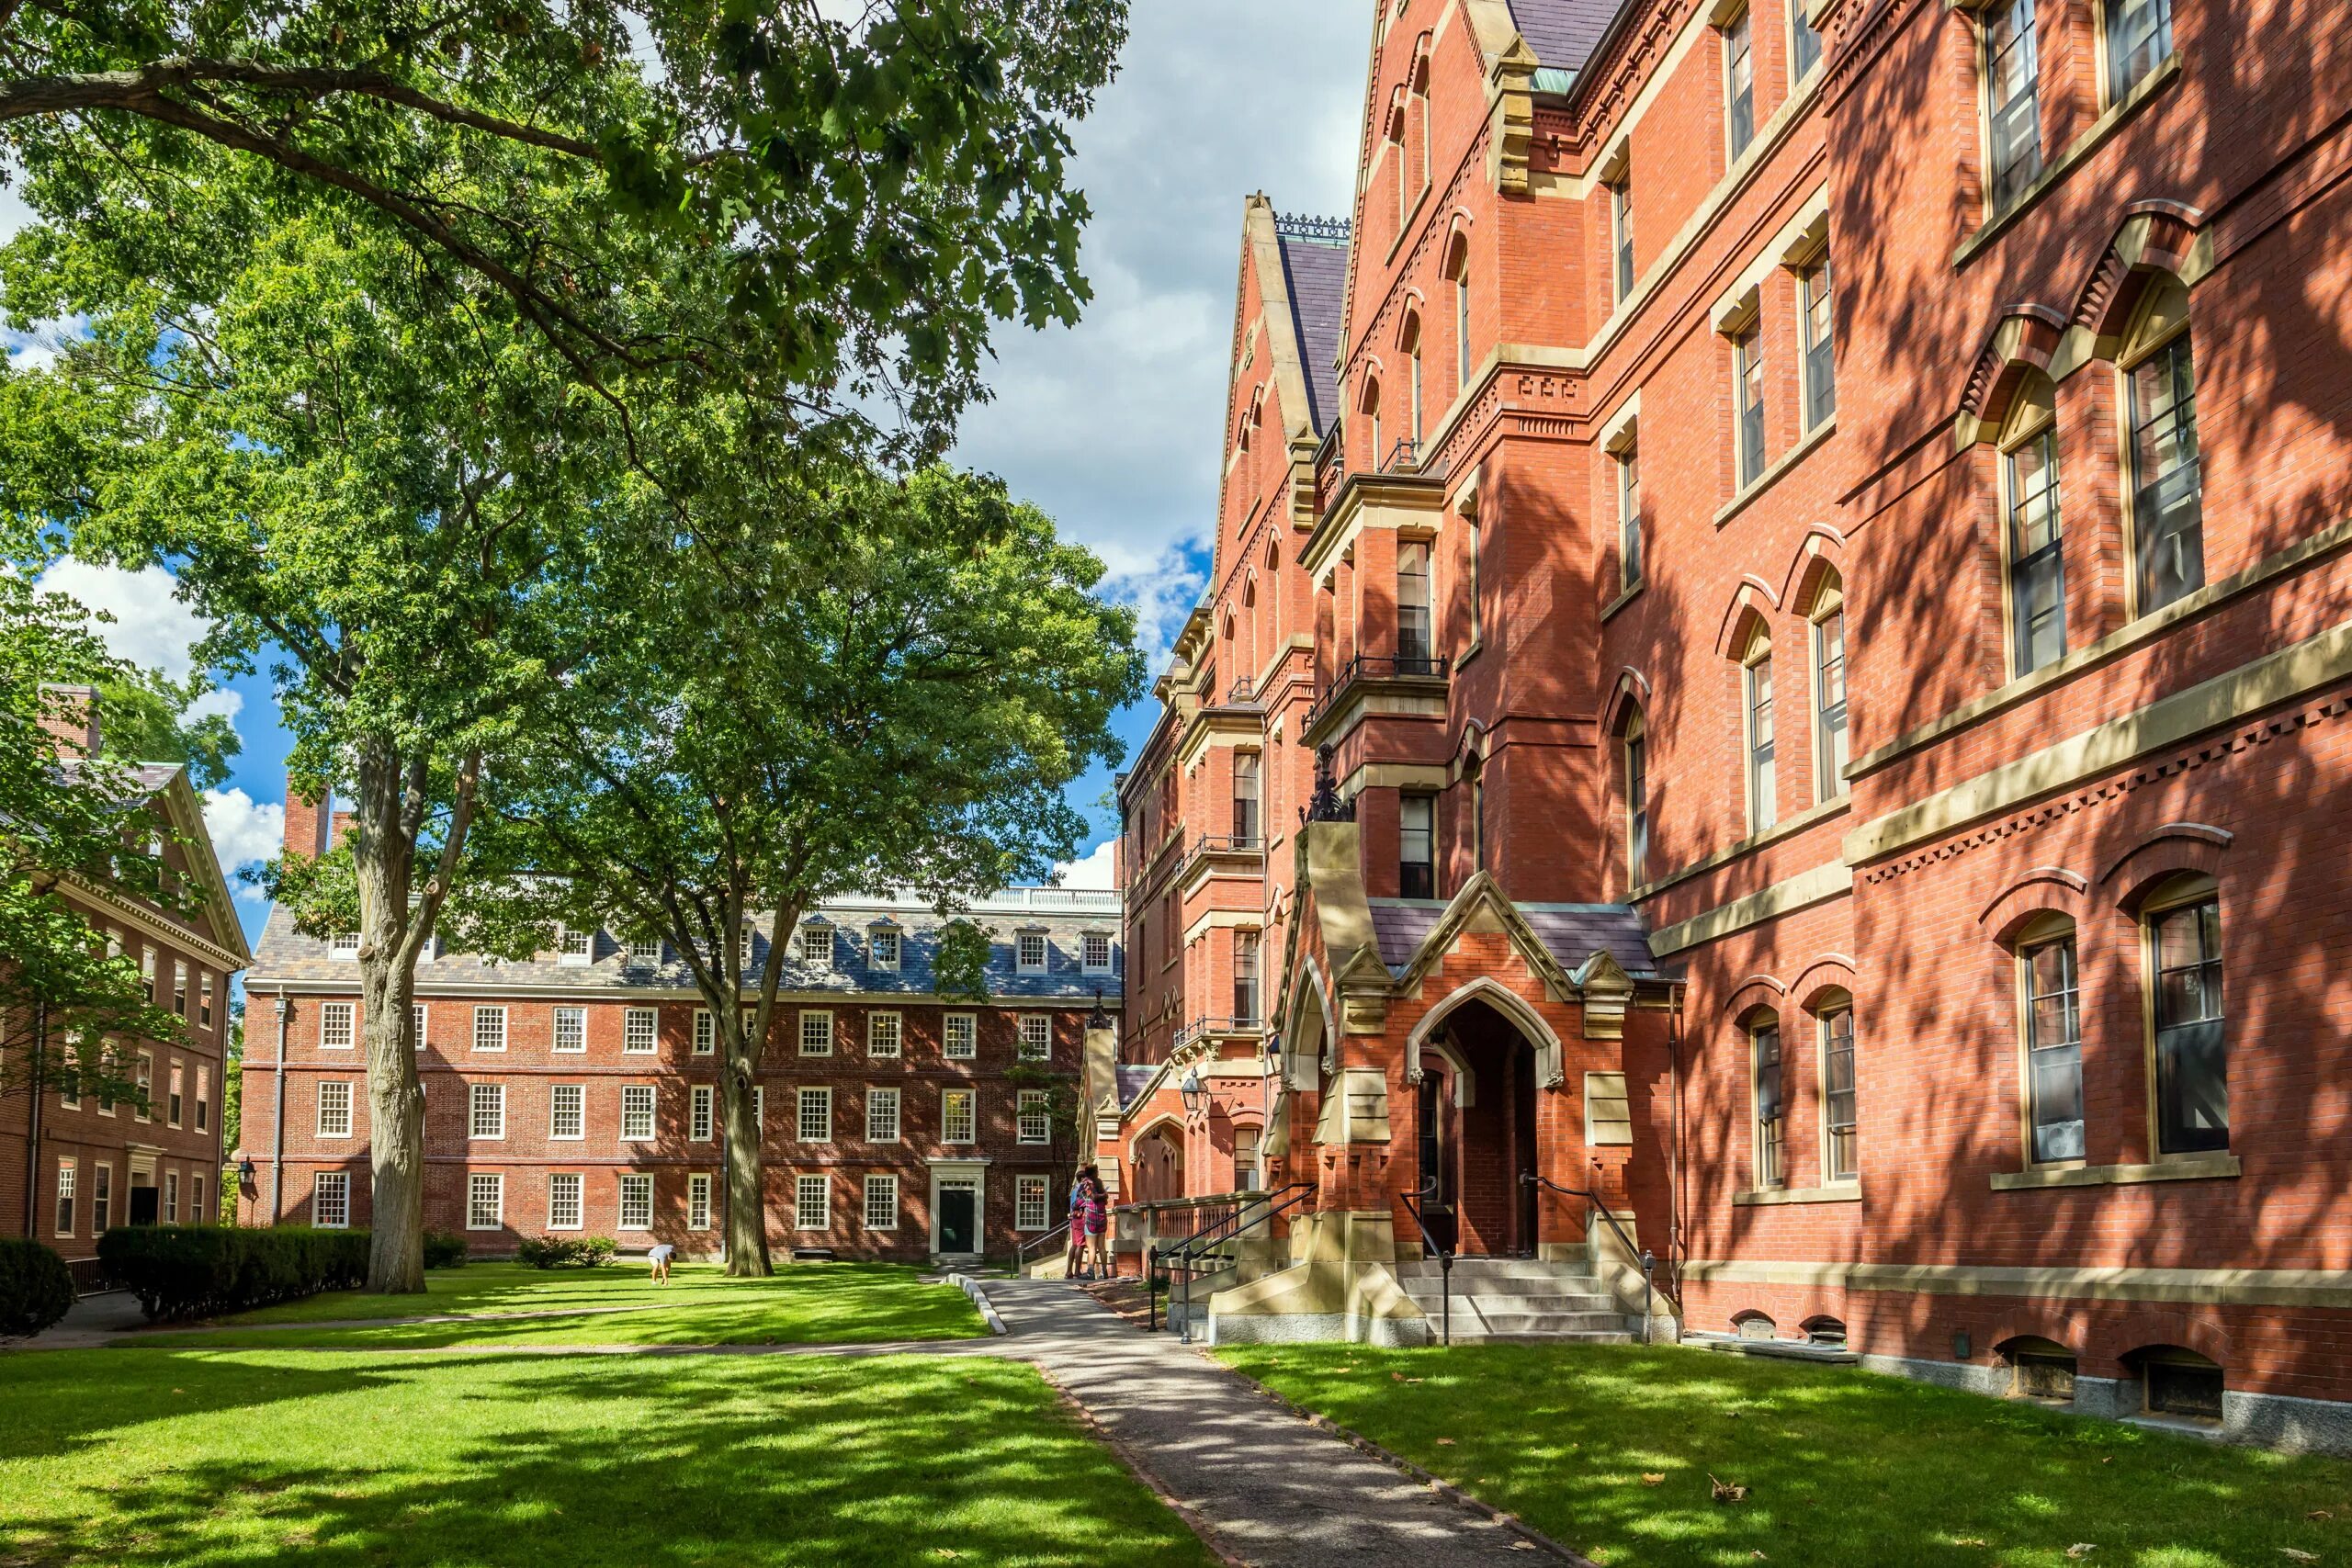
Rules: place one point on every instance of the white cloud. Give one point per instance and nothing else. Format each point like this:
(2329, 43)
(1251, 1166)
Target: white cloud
(1095, 870)
(243, 831)
(37, 348)
(151, 628)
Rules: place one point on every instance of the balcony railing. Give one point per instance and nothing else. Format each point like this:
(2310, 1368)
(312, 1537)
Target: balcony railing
(1228, 844)
(1203, 1028)
(1372, 667)
(1242, 693)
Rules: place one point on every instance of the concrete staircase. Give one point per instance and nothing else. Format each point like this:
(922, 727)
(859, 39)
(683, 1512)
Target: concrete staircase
(1519, 1301)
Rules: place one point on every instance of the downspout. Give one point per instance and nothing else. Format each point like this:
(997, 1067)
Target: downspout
(285, 1009)
(1674, 1245)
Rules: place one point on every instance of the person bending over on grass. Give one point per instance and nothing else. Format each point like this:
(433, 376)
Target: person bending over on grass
(660, 1257)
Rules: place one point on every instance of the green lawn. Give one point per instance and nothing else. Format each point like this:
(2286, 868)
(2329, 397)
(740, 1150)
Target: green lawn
(145, 1459)
(1610, 1450)
(816, 1302)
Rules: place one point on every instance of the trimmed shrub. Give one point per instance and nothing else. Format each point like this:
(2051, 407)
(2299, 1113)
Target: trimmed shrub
(567, 1251)
(444, 1249)
(36, 1288)
(179, 1271)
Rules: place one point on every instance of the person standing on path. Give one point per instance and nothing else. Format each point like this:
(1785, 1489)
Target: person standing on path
(1098, 1223)
(1074, 1254)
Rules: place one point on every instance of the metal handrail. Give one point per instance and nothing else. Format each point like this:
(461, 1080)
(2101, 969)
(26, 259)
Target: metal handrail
(1371, 666)
(1020, 1253)
(1282, 1199)
(1648, 1260)
(1244, 690)
(1445, 1258)
(1228, 843)
(1206, 1025)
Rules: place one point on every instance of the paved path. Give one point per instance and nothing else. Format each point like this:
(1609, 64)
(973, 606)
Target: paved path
(90, 1322)
(1269, 1488)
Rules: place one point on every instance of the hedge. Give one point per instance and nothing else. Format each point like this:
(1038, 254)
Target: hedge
(36, 1288)
(567, 1252)
(444, 1249)
(204, 1270)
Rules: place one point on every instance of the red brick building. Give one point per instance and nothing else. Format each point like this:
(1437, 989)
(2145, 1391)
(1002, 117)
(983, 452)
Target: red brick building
(74, 1162)
(577, 1092)
(1826, 598)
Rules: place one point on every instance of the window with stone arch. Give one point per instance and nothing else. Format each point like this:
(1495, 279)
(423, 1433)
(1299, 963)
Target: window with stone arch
(1758, 726)
(1457, 268)
(1833, 1014)
(2033, 527)
(1634, 750)
(1371, 407)
(1767, 1076)
(1825, 634)
(1410, 340)
(2049, 1037)
(1417, 108)
(2164, 485)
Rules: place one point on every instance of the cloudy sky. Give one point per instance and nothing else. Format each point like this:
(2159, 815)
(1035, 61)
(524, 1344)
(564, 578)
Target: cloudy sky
(1113, 426)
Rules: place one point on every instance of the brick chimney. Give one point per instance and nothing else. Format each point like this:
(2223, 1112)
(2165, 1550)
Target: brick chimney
(338, 826)
(306, 822)
(70, 714)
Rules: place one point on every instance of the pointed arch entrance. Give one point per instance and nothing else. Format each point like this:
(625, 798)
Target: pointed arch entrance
(1480, 1061)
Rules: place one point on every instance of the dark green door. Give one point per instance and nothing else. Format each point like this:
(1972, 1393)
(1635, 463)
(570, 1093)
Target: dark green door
(957, 1228)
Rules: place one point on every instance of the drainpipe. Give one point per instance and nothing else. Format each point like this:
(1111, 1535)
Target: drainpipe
(32, 1127)
(285, 1009)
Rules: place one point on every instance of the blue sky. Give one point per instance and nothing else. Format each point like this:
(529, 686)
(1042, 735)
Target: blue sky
(1113, 426)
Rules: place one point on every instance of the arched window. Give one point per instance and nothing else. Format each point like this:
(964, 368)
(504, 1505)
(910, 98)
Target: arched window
(1372, 414)
(2181, 926)
(2166, 484)
(2050, 996)
(1413, 383)
(1824, 1330)
(1840, 1144)
(1474, 773)
(1625, 448)
(2177, 1381)
(2034, 536)
(1637, 800)
(1769, 1077)
(1828, 638)
(1755, 705)
(2039, 1369)
(1461, 318)
(1752, 1324)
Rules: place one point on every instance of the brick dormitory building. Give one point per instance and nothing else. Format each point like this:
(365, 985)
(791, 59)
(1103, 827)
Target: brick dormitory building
(1812, 538)
(577, 1092)
(75, 1161)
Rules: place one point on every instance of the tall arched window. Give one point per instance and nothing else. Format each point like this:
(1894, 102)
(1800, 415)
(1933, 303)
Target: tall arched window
(1462, 321)
(1829, 637)
(2050, 996)
(2035, 539)
(1413, 383)
(1770, 1075)
(1637, 800)
(1840, 1145)
(2182, 925)
(1755, 693)
(2160, 399)
(1372, 413)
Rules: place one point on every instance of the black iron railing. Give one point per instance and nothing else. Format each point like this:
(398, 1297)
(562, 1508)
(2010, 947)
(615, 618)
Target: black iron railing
(1647, 1261)
(1251, 1209)
(1200, 1026)
(1444, 1255)
(1374, 667)
(1242, 691)
(1036, 1244)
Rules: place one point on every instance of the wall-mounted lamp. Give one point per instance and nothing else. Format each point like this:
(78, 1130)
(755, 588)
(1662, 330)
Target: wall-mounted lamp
(1194, 1092)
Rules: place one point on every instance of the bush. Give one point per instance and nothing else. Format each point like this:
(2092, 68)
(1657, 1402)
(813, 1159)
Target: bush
(567, 1251)
(36, 1288)
(180, 1272)
(444, 1249)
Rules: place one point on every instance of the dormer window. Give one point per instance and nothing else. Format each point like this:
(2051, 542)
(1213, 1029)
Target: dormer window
(1098, 953)
(645, 955)
(344, 944)
(1032, 952)
(575, 947)
(817, 945)
(883, 945)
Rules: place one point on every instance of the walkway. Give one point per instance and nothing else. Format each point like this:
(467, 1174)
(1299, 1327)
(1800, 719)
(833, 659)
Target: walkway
(1267, 1487)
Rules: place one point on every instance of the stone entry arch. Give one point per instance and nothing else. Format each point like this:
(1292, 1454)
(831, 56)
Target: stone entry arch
(1479, 1062)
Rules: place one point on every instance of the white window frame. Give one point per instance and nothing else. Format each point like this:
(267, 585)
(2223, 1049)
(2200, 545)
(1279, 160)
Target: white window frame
(1028, 1191)
(325, 1127)
(495, 1184)
(642, 954)
(802, 1186)
(338, 1026)
(338, 1183)
(640, 1099)
(702, 1115)
(143, 1077)
(815, 1032)
(1022, 963)
(420, 1018)
(489, 1023)
(873, 946)
(556, 1094)
(171, 1197)
(706, 1032)
(812, 1094)
(698, 1200)
(344, 944)
(486, 1112)
(811, 935)
(1028, 1050)
(971, 1100)
(636, 1188)
(967, 1024)
(877, 1131)
(1088, 962)
(878, 1182)
(569, 1029)
(1037, 1101)
(640, 1031)
(886, 1035)
(569, 1183)
(574, 948)
(66, 1197)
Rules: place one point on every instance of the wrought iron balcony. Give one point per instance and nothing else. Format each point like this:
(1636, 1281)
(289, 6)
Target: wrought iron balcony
(1374, 667)
(1243, 692)
(1205, 1028)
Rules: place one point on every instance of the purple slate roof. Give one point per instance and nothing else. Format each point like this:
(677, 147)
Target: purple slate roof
(1317, 274)
(1573, 932)
(1562, 32)
(1131, 1081)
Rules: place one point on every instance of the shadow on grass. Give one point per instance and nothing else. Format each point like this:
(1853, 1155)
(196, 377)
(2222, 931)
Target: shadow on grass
(1613, 1451)
(528, 1461)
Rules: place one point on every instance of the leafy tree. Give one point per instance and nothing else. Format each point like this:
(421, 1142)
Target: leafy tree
(233, 1102)
(146, 719)
(762, 726)
(883, 185)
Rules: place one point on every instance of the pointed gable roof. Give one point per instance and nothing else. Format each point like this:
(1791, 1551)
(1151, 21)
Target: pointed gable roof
(1315, 269)
(1562, 33)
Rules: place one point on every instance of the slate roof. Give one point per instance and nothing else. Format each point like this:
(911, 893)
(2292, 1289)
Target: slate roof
(1563, 32)
(1571, 932)
(1316, 274)
(1131, 1081)
(286, 957)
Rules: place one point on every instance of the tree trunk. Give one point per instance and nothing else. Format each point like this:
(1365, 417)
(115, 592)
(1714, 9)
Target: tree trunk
(746, 1209)
(383, 853)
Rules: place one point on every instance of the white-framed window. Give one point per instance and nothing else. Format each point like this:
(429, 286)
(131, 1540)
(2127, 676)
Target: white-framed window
(344, 944)
(568, 1112)
(331, 1200)
(639, 1030)
(962, 1035)
(637, 1201)
(486, 1111)
(1036, 1036)
(203, 1099)
(571, 1029)
(881, 1115)
(334, 1107)
(1748, 378)
(958, 1121)
(69, 1078)
(815, 1122)
(637, 1111)
(490, 1029)
(1763, 781)
(812, 1203)
(1098, 953)
(175, 1104)
(816, 1032)
(336, 1031)
(883, 945)
(1830, 743)
(701, 1116)
(1035, 1117)
(817, 945)
(885, 1033)
(180, 987)
(418, 1015)
(644, 955)
(197, 1214)
(204, 998)
(66, 1175)
(881, 1202)
(485, 1200)
(760, 1106)
(698, 1202)
(2139, 36)
(706, 1032)
(101, 1197)
(1817, 330)
(564, 1201)
(1030, 953)
(144, 1075)
(575, 947)
(744, 949)
(1032, 1202)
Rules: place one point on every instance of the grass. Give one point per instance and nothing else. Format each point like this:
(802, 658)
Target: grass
(1610, 1450)
(206, 1460)
(827, 1302)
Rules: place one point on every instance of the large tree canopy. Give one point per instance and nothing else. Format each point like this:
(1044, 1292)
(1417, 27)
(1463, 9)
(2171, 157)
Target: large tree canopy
(884, 178)
(762, 725)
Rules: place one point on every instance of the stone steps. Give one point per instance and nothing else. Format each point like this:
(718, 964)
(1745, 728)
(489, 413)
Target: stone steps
(1517, 1301)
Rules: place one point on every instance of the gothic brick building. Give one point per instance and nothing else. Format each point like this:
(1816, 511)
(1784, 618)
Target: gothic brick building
(1814, 540)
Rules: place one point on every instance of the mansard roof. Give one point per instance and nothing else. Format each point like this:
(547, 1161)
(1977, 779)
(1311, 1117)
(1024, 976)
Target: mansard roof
(1562, 33)
(1315, 270)
(1572, 933)
(287, 959)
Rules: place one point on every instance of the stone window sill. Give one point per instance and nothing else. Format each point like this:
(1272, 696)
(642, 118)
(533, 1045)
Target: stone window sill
(1837, 1192)
(2098, 131)
(1627, 597)
(1777, 469)
(2192, 1167)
